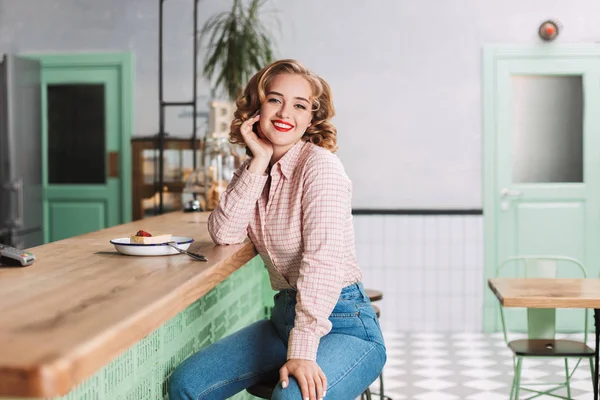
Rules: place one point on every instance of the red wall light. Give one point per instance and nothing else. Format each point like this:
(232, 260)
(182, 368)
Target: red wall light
(548, 30)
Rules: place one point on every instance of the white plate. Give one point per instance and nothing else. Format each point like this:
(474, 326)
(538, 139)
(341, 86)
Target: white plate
(124, 246)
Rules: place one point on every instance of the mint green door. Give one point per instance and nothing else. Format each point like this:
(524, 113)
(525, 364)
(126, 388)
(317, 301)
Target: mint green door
(542, 155)
(86, 129)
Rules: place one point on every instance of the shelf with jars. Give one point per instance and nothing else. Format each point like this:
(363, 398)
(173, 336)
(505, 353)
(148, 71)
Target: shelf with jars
(178, 166)
(183, 187)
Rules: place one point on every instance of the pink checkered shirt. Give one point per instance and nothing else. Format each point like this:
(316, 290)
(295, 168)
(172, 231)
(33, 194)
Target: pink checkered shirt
(299, 217)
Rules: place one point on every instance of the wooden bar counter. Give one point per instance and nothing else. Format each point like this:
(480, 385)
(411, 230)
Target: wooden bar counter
(87, 322)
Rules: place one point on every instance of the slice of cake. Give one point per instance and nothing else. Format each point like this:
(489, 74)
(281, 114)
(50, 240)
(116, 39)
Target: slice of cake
(143, 237)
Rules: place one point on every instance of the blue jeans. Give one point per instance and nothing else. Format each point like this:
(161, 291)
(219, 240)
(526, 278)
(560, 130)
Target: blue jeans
(352, 355)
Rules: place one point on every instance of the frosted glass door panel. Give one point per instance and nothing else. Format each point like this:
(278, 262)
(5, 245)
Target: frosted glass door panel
(548, 129)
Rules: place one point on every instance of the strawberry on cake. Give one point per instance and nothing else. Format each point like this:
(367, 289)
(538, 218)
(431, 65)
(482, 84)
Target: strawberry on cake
(143, 237)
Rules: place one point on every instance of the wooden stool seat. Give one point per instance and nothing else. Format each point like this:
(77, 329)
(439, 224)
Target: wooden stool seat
(374, 295)
(377, 310)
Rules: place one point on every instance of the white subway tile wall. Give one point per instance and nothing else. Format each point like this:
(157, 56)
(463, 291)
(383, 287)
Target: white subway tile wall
(429, 268)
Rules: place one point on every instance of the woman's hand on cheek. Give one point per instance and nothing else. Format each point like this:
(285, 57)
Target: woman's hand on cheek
(258, 145)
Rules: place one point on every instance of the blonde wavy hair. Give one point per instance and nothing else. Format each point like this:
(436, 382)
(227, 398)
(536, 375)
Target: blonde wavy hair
(320, 132)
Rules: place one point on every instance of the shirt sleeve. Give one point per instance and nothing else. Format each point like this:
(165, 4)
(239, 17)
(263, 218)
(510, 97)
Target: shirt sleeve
(326, 208)
(228, 223)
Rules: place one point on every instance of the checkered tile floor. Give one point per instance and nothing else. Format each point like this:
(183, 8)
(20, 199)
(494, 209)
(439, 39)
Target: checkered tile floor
(468, 366)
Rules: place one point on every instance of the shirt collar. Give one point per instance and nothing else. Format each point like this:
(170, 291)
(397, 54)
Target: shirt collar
(288, 162)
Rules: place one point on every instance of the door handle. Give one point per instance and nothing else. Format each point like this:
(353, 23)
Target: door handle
(113, 164)
(17, 186)
(506, 192)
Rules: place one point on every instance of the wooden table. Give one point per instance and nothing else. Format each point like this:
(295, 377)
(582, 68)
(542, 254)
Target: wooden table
(552, 293)
(81, 303)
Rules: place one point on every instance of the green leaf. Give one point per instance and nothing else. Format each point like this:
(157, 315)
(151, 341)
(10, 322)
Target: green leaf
(237, 45)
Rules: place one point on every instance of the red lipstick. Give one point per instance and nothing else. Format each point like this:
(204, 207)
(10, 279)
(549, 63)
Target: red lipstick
(282, 126)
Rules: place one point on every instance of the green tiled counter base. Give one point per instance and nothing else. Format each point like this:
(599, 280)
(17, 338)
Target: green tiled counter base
(141, 372)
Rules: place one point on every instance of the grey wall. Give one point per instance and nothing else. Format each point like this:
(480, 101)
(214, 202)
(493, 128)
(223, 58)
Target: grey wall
(406, 74)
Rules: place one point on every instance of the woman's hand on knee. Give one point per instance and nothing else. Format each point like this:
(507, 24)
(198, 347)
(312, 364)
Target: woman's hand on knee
(308, 374)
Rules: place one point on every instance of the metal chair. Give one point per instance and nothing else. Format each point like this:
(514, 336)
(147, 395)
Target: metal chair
(541, 328)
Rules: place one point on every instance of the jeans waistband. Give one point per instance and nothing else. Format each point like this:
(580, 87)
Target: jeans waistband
(355, 287)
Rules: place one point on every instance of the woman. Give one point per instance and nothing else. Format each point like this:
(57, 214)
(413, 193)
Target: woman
(293, 199)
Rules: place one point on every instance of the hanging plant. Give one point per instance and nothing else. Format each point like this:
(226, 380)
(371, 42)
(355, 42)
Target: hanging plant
(237, 46)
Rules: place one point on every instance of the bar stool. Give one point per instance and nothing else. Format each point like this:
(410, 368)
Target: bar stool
(376, 295)
(264, 390)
